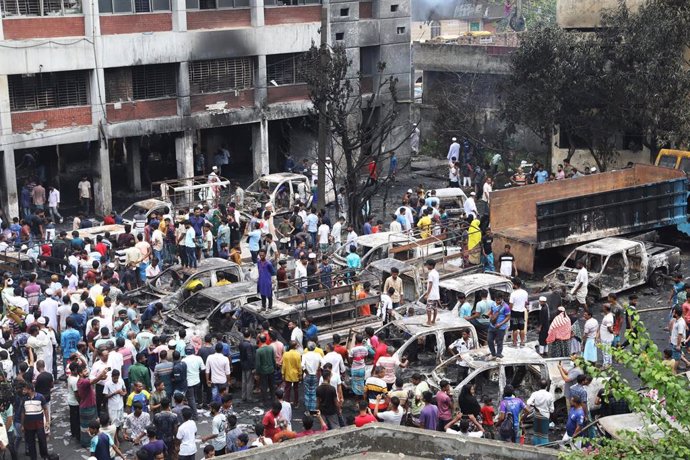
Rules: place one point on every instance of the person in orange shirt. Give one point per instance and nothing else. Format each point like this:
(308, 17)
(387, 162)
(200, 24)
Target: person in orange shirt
(365, 310)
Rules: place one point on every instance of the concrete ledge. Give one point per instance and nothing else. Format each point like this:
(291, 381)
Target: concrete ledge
(380, 438)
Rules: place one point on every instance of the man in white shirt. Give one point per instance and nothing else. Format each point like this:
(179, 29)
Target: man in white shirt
(487, 189)
(386, 308)
(351, 237)
(323, 231)
(337, 230)
(606, 334)
(49, 309)
(195, 365)
(542, 402)
(395, 226)
(433, 294)
(217, 370)
(53, 204)
(296, 335)
(470, 206)
(462, 345)
(186, 433)
(393, 414)
(518, 308)
(334, 358)
(581, 285)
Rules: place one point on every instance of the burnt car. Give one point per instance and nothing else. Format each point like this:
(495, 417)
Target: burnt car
(522, 368)
(615, 265)
(176, 283)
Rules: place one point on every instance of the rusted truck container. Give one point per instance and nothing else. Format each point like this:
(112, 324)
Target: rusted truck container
(573, 211)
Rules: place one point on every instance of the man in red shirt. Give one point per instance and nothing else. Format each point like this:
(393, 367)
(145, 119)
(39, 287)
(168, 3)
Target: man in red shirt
(339, 348)
(100, 246)
(364, 416)
(270, 420)
(381, 348)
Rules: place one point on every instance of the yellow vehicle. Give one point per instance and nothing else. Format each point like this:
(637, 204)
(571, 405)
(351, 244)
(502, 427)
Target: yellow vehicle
(675, 159)
(478, 33)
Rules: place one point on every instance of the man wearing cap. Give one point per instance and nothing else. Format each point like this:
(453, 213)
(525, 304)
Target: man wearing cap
(454, 150)
(470, 206)
(48, 308)
(543, 327)
(414, 139)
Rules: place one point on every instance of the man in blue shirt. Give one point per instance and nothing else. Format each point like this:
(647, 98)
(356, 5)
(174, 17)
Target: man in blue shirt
(514, 406)
(312, 223)
(541, 176)
(499, 318)
(311, 332)
(69, 339)
(151, 311)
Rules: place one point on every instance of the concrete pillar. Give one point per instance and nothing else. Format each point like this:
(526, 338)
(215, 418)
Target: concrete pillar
(179, 15)
(260, 148)
(260, 84)
(184, 104)
(184, 155)
(257, 12)
(8, 185)
(133, 163)
(102, 192)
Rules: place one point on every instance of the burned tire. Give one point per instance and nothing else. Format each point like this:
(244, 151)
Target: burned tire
(656, 280)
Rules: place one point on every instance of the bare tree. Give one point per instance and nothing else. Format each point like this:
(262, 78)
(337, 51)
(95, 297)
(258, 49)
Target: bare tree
(360, 125)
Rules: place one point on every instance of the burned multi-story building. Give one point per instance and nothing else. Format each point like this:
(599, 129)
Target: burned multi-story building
(125, 91)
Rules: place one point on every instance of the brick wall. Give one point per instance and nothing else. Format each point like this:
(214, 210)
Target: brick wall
(23, 122)
(138, 110)
(288, 93)
(243, 99)
(292, 14)
(365, 10)
(43, 27)
(219, 19)
(135, 23)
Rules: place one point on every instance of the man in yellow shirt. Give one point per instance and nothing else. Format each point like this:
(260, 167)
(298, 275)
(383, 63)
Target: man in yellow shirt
(292, 371)
(222, 280)
(424, 224)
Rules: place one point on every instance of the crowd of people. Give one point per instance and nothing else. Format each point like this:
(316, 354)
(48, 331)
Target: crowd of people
(134, 384)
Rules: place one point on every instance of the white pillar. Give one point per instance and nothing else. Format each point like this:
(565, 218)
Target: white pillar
(260, 84)
(179, 15)
(260, 148)
(132, 145)
(184, 155)
(9, 197)
(184, 102)
(257, 12)
(102, 193)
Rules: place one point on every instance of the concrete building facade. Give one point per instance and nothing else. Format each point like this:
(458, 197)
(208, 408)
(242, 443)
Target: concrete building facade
(139, 86)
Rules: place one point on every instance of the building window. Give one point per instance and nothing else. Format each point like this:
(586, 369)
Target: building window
(291, 2)
(140, 82)
(283, 69)
(39, 7)
(221, 75)
(400, 30)
(216, 4)
(394, 8)
(475, 26)
(344, 12)
(133, 6)
(47, 90)
(339, 36)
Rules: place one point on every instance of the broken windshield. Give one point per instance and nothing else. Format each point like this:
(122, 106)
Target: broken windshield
(593, 262)
(260, 184)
